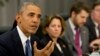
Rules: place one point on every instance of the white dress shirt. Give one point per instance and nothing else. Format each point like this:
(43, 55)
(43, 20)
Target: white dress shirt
(23, 38)
(59, 47)
(96, 28)
(73, 29)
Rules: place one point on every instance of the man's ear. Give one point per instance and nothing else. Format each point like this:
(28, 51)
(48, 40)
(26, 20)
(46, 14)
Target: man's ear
(73, 14)
(18, 18)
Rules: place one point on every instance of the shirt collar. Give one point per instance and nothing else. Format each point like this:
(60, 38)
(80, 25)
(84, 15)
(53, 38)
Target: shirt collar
(71, 24)
(22, 35)
(96, 24)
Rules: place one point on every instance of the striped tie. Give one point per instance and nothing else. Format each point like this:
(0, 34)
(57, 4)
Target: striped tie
(28, 48)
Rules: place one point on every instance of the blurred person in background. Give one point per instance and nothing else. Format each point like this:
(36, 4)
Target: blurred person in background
(76, 34)
(93, 22)
(53, 30)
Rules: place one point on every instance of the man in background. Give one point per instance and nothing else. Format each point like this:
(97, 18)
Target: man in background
(93, 22)
(76, 33)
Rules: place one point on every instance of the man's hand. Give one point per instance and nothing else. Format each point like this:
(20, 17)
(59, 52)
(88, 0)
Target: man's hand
(46, 51)
(95, 44)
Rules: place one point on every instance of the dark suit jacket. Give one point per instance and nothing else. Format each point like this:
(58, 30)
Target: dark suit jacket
(10, 44)
(56, 52)
(91, 26)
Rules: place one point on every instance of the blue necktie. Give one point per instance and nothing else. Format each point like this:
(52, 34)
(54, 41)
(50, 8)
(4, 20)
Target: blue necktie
(28, 48)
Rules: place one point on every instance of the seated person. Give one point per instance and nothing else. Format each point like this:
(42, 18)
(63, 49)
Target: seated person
(19, 41)
(53, 29)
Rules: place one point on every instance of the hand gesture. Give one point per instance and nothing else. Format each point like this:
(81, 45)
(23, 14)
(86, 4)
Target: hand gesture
(95, 44)
(46, 51)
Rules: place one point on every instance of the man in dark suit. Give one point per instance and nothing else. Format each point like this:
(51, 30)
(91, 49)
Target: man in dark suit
(76, 33)
(94, 21)
(19, 41)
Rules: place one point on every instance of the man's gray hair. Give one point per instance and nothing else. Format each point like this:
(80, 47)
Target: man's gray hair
(25, 4)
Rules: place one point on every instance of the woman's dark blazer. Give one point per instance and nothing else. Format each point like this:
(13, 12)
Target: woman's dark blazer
(56, 52)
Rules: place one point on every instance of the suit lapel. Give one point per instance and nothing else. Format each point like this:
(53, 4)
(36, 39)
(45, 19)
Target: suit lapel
(92, 25)
(63, 47)
(57, 52)
(92, 32)
(83, 36)
(17, 42)
(70, 33)
(84, 39)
